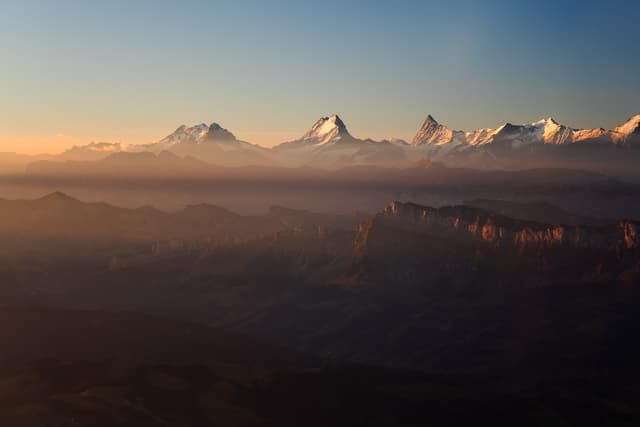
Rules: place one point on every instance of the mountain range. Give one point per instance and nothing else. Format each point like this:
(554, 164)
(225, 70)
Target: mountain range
(331, 131)
(329, 145)
(544, 131)
(400, 287)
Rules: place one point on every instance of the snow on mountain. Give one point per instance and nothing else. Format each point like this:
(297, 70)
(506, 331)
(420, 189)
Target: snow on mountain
(629, 131)
(553, 132)
(541, 144)
(544, 131)
(329, 144)
(481, 136)
(597, 134)
(211, 143)
(327, 130)
(631, 126)
(189, 136)
(433, 133)
(192, 134)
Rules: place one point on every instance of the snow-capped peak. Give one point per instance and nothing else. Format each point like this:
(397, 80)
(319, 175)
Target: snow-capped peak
(552, 132)
(546, 130)
(327, 129)
(193, 134)
(432, 133)
(196, 134)
(631, 126)
(183, 135)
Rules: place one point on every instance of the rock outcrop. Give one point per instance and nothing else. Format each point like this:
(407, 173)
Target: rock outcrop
(464, 222)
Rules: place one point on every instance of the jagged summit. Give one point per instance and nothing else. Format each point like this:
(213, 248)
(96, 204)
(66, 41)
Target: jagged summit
(326, 130)
(329, 144)
(430, 120)
(432, 133)
(544, 131)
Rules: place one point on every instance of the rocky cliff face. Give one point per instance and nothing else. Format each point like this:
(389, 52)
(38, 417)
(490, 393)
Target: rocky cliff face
(469, 223)
(463, 243)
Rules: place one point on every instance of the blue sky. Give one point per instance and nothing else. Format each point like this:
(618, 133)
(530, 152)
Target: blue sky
(132, 71)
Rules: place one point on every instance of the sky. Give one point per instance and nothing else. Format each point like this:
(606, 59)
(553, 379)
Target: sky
(73, 72)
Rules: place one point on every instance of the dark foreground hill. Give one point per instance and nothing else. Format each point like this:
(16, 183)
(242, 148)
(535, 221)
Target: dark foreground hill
(86, 380)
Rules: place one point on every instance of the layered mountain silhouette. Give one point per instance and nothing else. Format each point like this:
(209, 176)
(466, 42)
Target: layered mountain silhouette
(453, 293)
(413, 286)
(58, 215)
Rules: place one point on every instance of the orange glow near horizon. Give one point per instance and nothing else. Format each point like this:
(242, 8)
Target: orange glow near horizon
(59, 142)
(37, 144)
